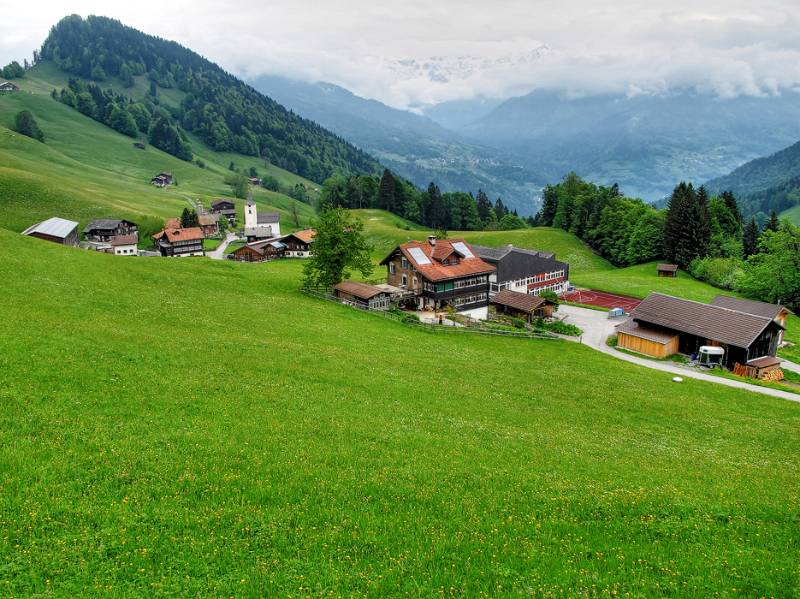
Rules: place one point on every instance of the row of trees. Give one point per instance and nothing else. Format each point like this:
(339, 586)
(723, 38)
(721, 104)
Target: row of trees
(13, 70)
(432, 208)
(127, 116)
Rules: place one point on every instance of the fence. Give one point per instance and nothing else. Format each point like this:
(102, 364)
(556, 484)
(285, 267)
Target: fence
(436, 328)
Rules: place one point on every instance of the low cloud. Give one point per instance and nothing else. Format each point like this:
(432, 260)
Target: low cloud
(415, 53)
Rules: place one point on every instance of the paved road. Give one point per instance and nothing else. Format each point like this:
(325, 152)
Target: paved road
(597, 327)
(219, 253)
(787, 365)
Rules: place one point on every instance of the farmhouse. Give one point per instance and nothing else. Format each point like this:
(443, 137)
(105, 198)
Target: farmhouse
(180, 242)
(298, 244)
(260, 251)
(7, 87)
(441, 274)
(224, 207)
(103, 229)
(362, 295)
(524, 271)
(663, 325)
(667, 270)
(254, 181)
(125, 245)
(264, 225)
(522, 305)
(776, 312)
(209, 223)
(162, 179)
(57, 230)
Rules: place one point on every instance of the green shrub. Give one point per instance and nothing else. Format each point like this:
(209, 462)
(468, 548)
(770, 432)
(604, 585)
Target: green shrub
(719, 272)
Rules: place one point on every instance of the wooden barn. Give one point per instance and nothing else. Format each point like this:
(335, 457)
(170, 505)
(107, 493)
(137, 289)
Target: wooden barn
(777, 312)
(7, 86)
(663, 325)
(260, 251)
(667, 270)
(57, 230)
(522, 305)
(363, 295)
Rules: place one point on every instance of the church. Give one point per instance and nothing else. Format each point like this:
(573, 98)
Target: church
(264, 225)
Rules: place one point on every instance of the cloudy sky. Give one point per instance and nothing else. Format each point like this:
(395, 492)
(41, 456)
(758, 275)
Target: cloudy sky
(413, 52)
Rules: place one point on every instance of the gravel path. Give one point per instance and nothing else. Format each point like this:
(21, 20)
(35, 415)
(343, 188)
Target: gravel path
(219, 253)
(597, 327)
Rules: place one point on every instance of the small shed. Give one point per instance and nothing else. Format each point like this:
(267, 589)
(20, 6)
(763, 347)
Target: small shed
(522, 305)
(363, 295)
(57, 230)
(767, 368)
(667, 270)
(645, 340)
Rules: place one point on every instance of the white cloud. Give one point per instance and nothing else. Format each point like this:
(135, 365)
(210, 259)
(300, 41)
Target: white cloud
(417, 52)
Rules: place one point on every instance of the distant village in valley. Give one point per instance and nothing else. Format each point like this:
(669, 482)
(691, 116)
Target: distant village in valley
(451, 283)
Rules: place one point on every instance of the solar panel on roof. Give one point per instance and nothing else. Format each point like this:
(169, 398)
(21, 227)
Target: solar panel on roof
(419, 256)
(462, 249)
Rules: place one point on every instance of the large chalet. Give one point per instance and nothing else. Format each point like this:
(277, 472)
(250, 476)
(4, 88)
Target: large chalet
(441, 273)
(180, 242)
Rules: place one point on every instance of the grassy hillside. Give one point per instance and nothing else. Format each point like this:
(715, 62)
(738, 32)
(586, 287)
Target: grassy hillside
(268, 446)
(86, 170)
(793, 214)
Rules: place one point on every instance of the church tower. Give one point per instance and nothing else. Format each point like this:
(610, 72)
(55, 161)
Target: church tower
(250, 213)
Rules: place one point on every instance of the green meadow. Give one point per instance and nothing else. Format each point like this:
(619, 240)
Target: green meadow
(200, 428)
(189, 427)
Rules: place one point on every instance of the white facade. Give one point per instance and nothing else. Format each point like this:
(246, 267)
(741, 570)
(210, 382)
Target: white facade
(477, 313)
(126, 250)
(539, 282)
(250, 214)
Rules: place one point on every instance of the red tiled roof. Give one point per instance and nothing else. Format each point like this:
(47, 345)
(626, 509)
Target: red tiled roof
(306, 235)
(131, 239)
(436, 271)
(173, 223)
(173, 235)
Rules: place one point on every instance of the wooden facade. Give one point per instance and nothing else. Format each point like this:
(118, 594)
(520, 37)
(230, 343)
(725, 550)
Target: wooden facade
(656, 349)
(667, 270)
(362, 295)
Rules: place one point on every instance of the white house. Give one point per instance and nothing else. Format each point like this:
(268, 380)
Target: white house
(525, 271)
(260, 226)
(125, 245)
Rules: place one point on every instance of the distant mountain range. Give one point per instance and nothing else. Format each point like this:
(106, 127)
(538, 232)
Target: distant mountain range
(412, 145)
(647, 144)
(765, 184)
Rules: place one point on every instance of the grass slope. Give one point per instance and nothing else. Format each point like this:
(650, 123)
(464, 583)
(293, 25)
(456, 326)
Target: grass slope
(793, 214)
(276, 444)
(87, 170)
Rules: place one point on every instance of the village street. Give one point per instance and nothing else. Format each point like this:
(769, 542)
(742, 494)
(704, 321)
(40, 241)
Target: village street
(597, 327)
(219, 253)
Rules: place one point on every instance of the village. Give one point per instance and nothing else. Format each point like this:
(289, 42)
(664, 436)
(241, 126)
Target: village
(493, 290)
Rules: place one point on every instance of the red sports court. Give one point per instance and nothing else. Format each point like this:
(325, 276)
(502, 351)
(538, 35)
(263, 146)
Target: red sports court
(602, 299)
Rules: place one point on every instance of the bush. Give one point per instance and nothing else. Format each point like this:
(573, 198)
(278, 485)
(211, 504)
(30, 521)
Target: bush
(561, 328)
(518, 323)
(612, 341)
(25, 124)
(719, 272)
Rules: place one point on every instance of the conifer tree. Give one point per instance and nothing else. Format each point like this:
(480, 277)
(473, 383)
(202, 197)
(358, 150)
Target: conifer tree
(387, 192)
(774, 223)
(484, 206)
(750, 239)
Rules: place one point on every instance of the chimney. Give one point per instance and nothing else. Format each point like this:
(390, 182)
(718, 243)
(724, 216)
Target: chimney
(432, 239)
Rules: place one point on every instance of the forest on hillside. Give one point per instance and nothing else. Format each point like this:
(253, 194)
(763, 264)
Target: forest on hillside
(225, 113)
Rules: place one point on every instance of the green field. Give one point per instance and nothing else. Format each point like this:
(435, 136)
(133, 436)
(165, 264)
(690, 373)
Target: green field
(270, 443)
(197, 427)
(793, 214)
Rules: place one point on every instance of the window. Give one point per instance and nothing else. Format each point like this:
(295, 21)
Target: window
(391, 268)
(404, 281)
(403, 262)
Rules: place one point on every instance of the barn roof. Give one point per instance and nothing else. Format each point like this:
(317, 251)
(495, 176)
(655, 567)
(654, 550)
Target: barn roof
(268, 218)
(173, 235)
(360, 290)
(702, 320)
(633, 328)
(749, 306)
(54, 227)
(102, 223)
(131, 239)
(519, 301)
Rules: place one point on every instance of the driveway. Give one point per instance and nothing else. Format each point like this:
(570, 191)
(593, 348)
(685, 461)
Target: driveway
(219, 253)
(597, 327)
